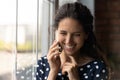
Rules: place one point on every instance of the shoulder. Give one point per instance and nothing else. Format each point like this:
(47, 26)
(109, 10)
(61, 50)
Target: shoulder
(94, 70)
(43, 61)
(96, 64)
(42, 68)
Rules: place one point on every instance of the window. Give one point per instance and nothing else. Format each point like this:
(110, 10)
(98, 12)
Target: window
(25, 27)
(7, 38)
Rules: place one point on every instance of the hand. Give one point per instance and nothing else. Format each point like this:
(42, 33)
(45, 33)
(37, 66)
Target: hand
(53, 57)
(71, 68)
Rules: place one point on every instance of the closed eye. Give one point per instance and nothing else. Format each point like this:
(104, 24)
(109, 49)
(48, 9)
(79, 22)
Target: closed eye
(63, 33)
(78, 34)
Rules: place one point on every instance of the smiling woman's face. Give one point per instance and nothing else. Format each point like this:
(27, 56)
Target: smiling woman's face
(71, 35)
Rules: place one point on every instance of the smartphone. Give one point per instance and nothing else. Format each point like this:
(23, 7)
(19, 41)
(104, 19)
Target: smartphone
(60, 50)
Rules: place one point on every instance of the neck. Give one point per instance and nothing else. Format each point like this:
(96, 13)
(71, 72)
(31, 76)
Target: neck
(65, 58)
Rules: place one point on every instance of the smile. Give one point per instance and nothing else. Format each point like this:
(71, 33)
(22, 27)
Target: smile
(69, 47)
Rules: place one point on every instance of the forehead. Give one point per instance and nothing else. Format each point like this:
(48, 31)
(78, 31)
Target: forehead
(70, 25)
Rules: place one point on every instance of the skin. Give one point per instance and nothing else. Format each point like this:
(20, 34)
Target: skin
(71, 36)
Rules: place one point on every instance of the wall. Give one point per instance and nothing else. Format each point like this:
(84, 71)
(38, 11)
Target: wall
(107, 22)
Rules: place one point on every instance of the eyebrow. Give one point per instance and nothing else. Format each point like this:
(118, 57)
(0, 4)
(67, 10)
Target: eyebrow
(73, 32)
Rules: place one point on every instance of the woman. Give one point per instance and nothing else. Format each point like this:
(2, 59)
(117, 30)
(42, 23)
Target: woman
(74, 55)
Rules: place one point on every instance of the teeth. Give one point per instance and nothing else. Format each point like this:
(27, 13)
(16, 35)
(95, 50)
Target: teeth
(69, 46)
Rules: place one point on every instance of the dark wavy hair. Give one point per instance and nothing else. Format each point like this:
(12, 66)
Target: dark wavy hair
(83, 15)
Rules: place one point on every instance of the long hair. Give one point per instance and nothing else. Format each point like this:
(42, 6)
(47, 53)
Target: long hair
(83, 15)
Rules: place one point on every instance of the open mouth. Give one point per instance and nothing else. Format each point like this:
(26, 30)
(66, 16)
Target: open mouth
(69, 48)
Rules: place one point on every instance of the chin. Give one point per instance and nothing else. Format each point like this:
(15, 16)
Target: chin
(69, 53)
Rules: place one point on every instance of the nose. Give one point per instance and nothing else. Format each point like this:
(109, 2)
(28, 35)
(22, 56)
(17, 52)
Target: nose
(69, 39)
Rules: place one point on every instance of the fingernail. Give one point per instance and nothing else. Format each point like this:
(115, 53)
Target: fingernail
(54, 41)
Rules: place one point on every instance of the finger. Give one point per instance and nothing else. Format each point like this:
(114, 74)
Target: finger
(66, 69)
(52, 56)
(73, 60)
(56, 48)
(55, 43)
(53, 50)
(67, 64)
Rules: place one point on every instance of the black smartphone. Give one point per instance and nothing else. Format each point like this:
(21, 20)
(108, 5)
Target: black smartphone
(60, 50)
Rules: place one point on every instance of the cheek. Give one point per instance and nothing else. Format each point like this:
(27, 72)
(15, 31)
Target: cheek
(80, 41)
(80, 44)
(61, 38)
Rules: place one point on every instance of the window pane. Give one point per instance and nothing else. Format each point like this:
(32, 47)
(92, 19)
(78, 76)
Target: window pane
(26, 39)
(20, 45)
(7, 38)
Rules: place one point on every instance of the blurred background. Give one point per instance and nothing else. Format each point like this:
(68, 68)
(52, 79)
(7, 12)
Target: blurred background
(26, 33)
